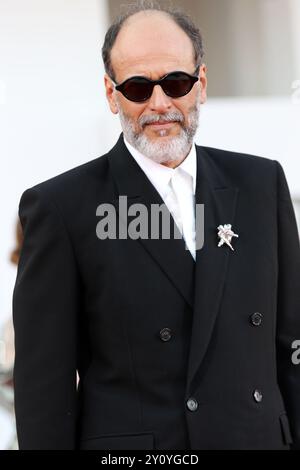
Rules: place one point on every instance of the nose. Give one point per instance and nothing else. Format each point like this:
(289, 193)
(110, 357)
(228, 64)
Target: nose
(159, 101)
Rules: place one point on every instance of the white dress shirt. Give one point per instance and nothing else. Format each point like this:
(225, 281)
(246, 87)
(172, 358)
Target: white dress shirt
(177, 189)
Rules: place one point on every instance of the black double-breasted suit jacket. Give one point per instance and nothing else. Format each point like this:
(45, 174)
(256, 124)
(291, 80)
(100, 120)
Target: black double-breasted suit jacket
(170, 353)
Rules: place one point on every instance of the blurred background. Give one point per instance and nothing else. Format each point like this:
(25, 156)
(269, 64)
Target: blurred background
(54, 116)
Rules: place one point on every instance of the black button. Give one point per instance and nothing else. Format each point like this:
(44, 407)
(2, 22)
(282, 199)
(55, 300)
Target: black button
(257, 396)
(192, 404)
(256, 319)
(165, 334)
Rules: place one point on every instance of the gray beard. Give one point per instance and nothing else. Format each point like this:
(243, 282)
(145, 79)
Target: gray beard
(168, 149)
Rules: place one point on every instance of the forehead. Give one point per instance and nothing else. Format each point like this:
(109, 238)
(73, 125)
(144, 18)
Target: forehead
(151, 44)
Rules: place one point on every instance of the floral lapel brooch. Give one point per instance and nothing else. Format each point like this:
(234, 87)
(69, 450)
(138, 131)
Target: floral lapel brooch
(225, 234)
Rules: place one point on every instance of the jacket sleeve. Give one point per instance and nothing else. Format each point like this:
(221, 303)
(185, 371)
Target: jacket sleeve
(45, 313)
(288, 312)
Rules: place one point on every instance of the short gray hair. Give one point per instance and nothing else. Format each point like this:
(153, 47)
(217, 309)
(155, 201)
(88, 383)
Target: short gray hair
(177, 15)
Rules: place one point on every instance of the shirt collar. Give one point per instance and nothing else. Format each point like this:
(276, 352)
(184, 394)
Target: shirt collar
(189, 165)
(160, 175)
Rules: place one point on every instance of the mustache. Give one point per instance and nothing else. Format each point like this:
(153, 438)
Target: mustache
(168, 117)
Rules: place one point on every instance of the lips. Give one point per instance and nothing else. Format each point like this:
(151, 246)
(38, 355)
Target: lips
(162, 123)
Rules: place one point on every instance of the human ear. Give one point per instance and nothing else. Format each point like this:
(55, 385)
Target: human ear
(110, 94)
(203, 83)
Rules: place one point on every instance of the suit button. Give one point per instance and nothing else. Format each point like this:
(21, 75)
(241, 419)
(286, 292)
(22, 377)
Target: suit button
(257, 396)
(165, 334)
(256, 319)
(192, 404)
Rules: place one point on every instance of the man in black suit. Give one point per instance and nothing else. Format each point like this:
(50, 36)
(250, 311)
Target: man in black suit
(177, 345)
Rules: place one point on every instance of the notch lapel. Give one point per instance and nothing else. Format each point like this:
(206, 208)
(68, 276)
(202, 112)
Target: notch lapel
(220, 202)
(171, 255)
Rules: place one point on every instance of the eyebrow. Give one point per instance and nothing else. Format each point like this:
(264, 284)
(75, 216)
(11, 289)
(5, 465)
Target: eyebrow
(151, 79)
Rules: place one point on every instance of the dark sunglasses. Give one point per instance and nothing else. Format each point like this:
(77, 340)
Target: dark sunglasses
(174, 84)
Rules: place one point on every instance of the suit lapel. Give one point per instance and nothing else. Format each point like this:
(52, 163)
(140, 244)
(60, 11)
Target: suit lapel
(201, 284)
(219, 201)
(175, 261)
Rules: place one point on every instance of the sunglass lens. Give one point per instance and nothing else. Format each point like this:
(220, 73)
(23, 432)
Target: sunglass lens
(176, 85)
(137, 89)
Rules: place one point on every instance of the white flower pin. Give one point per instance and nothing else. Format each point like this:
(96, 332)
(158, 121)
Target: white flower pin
(225, 234)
